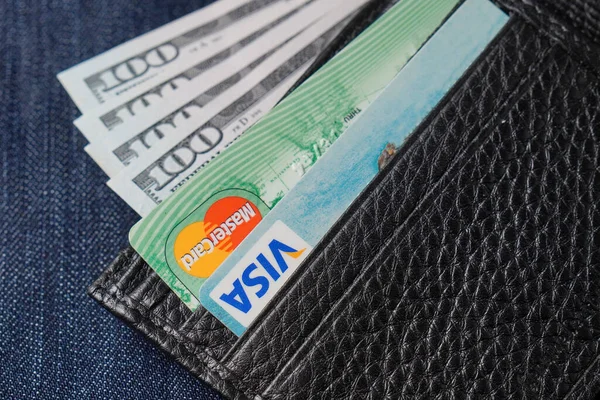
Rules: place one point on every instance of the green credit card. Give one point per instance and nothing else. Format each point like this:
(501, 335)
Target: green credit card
(188, 236)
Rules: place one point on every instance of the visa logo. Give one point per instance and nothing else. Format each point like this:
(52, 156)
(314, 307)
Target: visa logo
(258, 279)
(260, 273)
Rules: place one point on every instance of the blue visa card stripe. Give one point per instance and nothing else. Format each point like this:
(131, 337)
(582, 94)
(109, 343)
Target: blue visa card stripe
(326, 191)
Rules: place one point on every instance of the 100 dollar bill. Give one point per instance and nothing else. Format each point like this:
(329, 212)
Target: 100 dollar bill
(229, 196)
(182, 42)
(132, 140)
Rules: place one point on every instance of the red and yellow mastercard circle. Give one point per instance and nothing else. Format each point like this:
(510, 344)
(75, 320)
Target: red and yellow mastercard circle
(202, 246)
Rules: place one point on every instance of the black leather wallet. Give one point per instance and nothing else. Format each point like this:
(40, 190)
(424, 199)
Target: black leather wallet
(470, 267)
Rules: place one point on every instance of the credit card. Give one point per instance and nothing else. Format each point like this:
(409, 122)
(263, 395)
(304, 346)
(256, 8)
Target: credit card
(252, 275)
(270, 158)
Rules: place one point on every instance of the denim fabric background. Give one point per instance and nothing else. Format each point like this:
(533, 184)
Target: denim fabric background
(59, 224)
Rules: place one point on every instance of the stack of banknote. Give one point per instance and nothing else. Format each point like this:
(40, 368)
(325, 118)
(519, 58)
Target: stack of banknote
(228, 234)
(161, 106)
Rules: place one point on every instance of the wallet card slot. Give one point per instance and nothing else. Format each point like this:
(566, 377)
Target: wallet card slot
(374, 310)
(291, 346)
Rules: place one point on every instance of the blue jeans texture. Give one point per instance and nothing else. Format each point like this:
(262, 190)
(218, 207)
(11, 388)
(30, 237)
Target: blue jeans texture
(59, 224)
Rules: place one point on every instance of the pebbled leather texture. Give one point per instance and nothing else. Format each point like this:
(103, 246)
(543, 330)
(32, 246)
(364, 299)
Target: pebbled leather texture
(469, 268)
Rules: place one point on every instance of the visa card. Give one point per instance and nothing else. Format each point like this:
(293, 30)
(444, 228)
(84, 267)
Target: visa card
(257, 269)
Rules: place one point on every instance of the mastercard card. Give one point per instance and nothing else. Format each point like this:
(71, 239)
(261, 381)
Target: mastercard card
(238, 291)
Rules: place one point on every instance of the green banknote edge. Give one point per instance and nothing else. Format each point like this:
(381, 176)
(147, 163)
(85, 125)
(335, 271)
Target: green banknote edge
(388, 43)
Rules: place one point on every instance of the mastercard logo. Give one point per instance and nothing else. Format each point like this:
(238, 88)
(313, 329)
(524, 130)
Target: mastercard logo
(202, 246)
